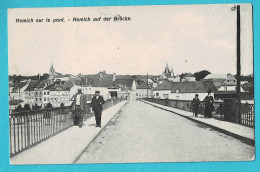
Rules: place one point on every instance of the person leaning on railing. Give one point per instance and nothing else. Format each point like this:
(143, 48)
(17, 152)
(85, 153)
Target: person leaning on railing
(78, 106)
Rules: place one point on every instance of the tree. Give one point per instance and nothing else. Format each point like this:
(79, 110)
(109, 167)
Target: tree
(45, 76)
(18, 108)
(134, 77)
(62, 105)
(26, 107)
(49, 105)
(201, 74)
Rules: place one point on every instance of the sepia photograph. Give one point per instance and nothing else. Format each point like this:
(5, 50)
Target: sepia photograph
(131, 84)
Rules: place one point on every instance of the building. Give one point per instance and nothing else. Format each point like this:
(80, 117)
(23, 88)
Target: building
(17, 90)
(163, 90)
(39, 91)
(144, 90)
(53, 74)
(188, 77)
(62, 93)
(187, 90)
(127, 88)
(167, 73)
(46, 94)
(29, 92)
(102, 82)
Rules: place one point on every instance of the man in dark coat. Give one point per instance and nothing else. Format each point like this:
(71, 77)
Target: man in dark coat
(96, 104)
(79, 105)
(208, 105)
(195, 105)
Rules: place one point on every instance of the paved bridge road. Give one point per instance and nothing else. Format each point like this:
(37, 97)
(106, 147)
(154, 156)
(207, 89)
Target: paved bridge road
(144, 133)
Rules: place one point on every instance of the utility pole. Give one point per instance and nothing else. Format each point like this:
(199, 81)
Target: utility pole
(238, 54)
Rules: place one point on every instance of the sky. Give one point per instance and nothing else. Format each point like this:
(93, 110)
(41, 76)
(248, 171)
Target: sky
(189, 38)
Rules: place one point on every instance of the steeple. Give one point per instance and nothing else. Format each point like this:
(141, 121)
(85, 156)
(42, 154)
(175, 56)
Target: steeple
(51, 72)
(172, 73)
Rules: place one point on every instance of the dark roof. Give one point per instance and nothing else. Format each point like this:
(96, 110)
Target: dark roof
(15, 102)
(49, 87)
(63, 87)
(193, 87)
(33, 84)
(143, 86)
(166, 85)
(124, 82)
(42, 84)
(20, 85)
(97, 80)
(218, 82)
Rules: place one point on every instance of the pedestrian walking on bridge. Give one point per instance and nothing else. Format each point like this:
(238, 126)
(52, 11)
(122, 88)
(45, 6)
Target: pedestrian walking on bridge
(208, 105)
(79, 105)
(195, 105)
(96, 104)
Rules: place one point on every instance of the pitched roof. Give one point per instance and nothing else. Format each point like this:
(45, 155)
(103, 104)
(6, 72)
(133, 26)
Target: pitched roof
(143, 86)
(42, 84)
(97, 80)
(124, 82)
(33, 84)
(20, 85)
(15, 102)
(63, 87)
(216, 76)
(49, 87)
(192, 87)
(166, 85)
(218, 82)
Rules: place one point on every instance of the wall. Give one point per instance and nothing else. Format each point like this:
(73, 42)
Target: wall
(187, 96)
(161, 93)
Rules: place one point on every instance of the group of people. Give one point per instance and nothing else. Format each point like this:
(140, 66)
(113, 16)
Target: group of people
(79, 105)
(209, 108)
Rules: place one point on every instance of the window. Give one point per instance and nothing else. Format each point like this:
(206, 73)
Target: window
(40, 93)
(47, 92)
(44, 98)
(44, 93)
(35, 92)
(40, 99)
(157, 94)
(177, 91)
(36, 99)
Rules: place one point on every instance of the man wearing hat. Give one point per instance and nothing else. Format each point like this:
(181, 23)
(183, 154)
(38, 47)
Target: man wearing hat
(96, 104)
(195, 105)
(208, 105)
(79, 105)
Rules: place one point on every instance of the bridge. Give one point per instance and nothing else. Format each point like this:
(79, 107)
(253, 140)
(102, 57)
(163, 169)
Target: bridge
(147, 130)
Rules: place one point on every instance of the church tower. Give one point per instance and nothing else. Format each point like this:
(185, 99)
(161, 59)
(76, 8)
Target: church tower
(52, 72)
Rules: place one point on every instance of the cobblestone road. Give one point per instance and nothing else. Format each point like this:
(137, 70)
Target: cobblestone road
(144, 133)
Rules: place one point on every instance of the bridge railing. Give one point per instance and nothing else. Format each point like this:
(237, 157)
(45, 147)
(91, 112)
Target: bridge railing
(228, 111)
(28, 128)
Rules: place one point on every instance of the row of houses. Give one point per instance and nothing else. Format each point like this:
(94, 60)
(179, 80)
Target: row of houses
(222, 87)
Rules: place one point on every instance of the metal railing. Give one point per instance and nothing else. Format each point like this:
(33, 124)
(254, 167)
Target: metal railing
(28, 128)
(228, 111)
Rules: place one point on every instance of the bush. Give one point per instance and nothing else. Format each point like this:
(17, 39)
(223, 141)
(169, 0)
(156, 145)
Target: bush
(36, 107)
(62, 105)
(18, 108)
(26, 107)
(49, 105)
